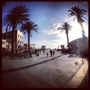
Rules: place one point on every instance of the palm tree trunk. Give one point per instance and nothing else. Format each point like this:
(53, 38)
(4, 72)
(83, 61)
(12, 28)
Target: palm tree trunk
(78, 48)
(13, 39)
(6, 32)
(29, 41)
(82, 29)
(67, 41)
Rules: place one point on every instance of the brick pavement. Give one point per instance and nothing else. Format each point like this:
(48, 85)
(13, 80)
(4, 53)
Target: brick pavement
(78, 78)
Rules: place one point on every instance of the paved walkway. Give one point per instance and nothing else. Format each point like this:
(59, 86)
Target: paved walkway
(73, 83)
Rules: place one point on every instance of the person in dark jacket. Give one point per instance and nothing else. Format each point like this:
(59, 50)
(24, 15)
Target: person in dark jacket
(51, 52)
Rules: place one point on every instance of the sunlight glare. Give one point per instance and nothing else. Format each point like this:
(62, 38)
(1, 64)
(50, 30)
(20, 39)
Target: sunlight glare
(75, 31)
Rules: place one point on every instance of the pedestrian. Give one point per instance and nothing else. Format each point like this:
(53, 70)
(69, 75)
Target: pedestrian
(47, 54)
(51, 52)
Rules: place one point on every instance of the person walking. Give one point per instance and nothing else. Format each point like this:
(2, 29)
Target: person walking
(47, 54)
(51, 52)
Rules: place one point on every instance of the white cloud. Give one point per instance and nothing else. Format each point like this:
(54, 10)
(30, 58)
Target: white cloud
(52, 31)
(55, 40)
(69, 20)
(49, 32)
(57, 34)
(53, 19)
(47, 43)
(56, 25)
(62, 39)
(52, 43)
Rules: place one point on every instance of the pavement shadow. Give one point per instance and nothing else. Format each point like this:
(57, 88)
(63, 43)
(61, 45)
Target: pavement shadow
(45, 57)
(16, 69)
(9, 58)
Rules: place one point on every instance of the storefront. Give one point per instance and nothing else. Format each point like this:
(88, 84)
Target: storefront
(6, 48)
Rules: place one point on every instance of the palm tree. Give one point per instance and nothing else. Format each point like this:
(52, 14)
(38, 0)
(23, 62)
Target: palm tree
(27, 27)
(65, 26)
(17, 15)
(79, 13)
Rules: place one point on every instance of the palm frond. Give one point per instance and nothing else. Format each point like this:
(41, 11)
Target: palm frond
(65, 26)
(24, 32)
(77, 11)
(74, 19)
(17, 15)
(58, 28)
(83, 17)
(29, 26)
(36, 30)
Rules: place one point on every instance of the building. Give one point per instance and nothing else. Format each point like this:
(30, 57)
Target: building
(43, 47)
(3, 43)
(32, 46)
(19, 38)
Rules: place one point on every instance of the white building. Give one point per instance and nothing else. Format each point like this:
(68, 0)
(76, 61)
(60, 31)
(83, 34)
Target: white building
(19, 38)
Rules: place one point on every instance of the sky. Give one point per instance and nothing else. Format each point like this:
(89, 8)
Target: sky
(49, 16)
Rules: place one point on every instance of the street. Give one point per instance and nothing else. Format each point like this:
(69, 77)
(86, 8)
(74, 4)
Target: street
(39, 71)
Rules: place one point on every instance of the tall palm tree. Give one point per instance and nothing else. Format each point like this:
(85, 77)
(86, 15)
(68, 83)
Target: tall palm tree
(79, 13)
(17, 15)
(28, 27)
(65, 26)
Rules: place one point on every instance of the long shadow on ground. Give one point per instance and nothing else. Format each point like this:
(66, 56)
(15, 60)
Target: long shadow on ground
(16, 69)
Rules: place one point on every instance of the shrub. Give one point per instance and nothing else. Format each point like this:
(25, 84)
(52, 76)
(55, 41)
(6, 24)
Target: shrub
(84, 54)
